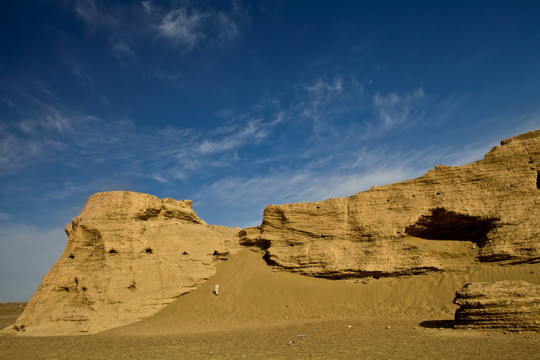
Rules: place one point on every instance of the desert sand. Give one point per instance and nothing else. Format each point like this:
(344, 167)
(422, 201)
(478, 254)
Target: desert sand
(264, 313)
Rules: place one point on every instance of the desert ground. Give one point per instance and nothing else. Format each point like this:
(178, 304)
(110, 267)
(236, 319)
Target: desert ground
(262, 313)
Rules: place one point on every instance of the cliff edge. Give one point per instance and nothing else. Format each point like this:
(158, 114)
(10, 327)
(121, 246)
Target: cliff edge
(128, 255)
(451, 217)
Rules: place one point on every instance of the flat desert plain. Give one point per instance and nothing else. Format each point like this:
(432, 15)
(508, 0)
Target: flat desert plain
(261, 313)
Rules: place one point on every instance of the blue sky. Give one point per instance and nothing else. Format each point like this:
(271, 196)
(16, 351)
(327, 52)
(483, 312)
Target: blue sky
(241, 104)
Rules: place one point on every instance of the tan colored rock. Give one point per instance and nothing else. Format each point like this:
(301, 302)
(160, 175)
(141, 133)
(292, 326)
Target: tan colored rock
(504, 305)
(446, 219)
(128, 255)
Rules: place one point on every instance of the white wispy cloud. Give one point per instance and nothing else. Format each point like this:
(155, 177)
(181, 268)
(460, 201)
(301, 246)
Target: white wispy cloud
(123, 52)
(395, 109)
(77, 70)
(87, 10)
(183, 28)
(235, 137)
(323, 101)
(322, 88)
(186, 26)
(227, 29)
(288, 186)
(8, 102)
(46, 90)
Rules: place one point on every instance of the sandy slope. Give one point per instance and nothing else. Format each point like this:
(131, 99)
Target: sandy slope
(252, 294)
(259, 311)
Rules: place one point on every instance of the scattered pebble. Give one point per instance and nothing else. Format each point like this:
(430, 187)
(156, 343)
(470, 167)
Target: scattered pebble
(349, 326)
(388, 327)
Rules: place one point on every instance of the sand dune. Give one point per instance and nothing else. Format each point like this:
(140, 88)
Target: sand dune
(252, 295)
(266, 314)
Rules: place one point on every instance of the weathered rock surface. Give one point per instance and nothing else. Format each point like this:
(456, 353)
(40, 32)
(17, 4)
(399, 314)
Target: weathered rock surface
(505, 305)
(130, 254)
(444, 220)
(127, 256)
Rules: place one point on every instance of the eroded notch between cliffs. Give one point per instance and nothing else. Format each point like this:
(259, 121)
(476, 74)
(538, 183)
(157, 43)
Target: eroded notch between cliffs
(441, 224)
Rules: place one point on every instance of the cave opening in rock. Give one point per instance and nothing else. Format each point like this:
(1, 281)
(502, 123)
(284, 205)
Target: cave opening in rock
(538, 180)
(442, 224)
(149, 251)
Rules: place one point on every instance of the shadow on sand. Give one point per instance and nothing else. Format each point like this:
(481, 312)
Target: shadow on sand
(438, 324)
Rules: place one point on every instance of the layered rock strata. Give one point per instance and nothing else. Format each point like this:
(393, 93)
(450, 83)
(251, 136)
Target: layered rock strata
(127, 256)
(446, 219)
(504, 305)
(130, 254)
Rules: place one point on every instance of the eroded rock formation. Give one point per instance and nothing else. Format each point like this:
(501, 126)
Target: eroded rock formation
(444, 220)
(505, 305)
(130, 254)
(127, 256)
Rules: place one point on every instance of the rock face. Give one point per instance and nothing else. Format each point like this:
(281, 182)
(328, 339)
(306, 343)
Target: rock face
(130, 254)
(444, 220)
(127, 256)
(506, 305)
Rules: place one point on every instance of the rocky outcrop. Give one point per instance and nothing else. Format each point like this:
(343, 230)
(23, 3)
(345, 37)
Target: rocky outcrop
(444, 220)
(128, 255)
(504, 305)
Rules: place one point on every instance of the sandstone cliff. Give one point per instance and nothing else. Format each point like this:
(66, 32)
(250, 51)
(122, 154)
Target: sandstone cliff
(444, 220)
(504, 305)
(130, 254)
(127, 256)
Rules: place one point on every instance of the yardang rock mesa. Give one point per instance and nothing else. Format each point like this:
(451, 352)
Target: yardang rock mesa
(444, 220)
(127, 256)
(507, 305)
(130, 254)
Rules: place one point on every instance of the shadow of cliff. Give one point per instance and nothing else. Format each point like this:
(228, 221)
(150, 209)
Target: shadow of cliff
(438, 324)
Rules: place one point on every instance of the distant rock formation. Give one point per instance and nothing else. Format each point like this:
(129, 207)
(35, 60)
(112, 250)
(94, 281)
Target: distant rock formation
(504, 305)
(444, 220)
(130, 254)
(127, 256)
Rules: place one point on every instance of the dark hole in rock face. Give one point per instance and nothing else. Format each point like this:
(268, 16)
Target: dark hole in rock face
(84, 288)
(149, 251)
(112, 251)
(448, 225)
(538, 180)
(71, 256)
(221, 255)
(185, 253)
